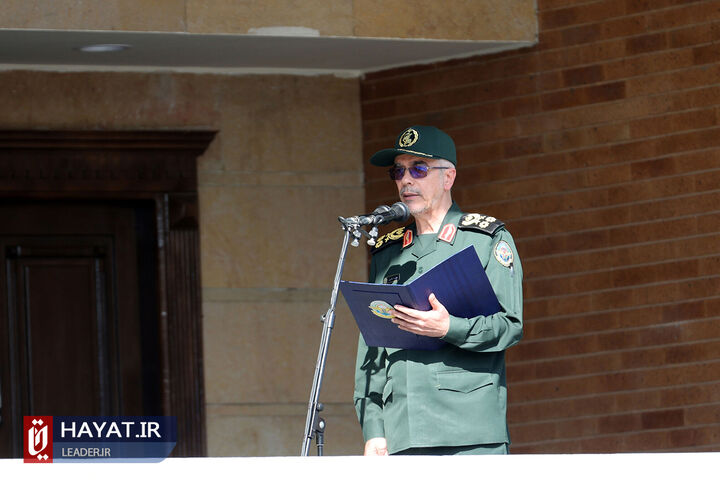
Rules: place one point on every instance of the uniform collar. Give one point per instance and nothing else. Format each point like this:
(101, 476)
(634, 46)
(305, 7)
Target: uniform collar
(446, 233)
(448, 228)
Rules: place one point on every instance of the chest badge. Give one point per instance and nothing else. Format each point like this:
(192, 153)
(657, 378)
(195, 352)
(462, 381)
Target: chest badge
(392, 279)
(503, 253)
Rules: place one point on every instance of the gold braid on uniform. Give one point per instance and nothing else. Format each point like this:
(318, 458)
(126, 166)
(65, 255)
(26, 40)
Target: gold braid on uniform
(388, 239)
(480, 223)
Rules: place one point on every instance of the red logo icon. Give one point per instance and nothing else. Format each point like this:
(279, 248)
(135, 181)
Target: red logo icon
(38, 439)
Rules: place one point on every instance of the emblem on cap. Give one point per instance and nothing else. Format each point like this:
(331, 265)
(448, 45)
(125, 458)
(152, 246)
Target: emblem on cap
(503, 253)
(408, 137)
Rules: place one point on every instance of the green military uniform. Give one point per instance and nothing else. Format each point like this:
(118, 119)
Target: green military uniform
(456, 395)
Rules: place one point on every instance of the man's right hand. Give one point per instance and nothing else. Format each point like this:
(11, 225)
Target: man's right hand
(376, 447)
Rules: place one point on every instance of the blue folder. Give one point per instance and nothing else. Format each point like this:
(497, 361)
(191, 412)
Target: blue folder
(459, 283)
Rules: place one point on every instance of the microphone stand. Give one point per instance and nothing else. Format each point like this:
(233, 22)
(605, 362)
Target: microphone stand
(314, 424)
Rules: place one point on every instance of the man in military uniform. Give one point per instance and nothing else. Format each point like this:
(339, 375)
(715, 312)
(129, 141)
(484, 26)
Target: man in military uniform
(452, 400)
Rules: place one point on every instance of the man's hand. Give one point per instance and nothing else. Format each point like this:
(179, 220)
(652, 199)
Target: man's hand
(376, 447)
(433, 323)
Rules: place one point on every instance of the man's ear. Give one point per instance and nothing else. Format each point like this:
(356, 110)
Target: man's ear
(449, 178)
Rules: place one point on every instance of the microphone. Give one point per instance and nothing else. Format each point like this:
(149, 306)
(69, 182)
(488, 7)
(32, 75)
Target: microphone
(381, 215)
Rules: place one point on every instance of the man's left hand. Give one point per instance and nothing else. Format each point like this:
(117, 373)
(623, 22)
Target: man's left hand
(433, 323)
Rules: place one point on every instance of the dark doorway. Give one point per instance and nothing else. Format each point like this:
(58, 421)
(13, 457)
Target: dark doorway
(100, 288)
(78, 310)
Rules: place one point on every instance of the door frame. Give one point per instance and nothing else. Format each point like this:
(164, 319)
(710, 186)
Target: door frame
(129, 165)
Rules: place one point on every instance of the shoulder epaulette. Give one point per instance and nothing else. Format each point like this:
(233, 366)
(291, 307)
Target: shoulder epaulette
(388, 239)
(480, 223)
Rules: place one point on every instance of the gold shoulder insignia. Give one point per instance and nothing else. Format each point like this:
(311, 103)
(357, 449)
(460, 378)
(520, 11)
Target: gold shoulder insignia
(388, 239)
(480, 223)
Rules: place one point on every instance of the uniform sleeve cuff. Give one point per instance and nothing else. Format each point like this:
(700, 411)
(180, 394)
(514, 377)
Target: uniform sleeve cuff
(373, 429)
(457, 332)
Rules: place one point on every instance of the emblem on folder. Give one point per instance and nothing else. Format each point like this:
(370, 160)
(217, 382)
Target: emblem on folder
(381, 309)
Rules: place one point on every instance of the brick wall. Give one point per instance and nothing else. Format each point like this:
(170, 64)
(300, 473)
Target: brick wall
(600, 149)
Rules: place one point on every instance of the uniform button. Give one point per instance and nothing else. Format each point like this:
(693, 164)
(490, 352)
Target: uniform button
(420, 270)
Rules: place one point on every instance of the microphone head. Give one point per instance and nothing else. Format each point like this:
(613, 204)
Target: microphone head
(401, 211)
(383, 214)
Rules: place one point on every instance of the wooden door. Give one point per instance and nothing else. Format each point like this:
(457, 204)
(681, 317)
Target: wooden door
(79, 340)
(100, 284)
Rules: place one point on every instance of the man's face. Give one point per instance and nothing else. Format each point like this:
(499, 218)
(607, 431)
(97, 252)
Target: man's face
(422, 195)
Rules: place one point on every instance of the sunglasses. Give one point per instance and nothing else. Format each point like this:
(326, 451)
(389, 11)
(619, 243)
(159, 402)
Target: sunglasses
(416, 171)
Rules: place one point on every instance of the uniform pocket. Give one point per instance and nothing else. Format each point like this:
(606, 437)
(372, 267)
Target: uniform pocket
(463, 381)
